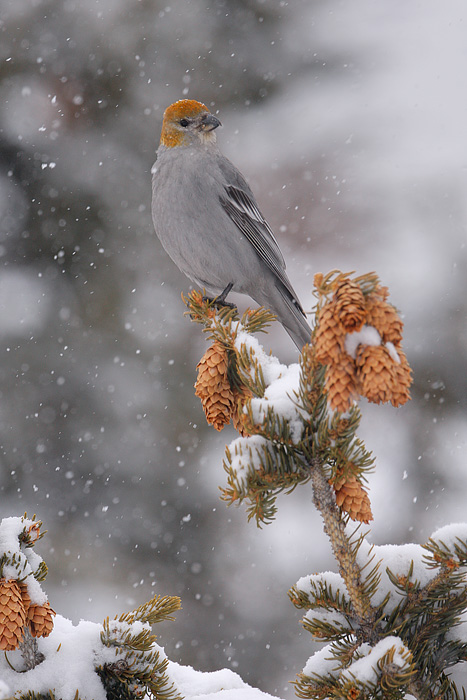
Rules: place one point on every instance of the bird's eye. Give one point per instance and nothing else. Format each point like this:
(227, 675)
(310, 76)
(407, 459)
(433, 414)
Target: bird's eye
(184, 122)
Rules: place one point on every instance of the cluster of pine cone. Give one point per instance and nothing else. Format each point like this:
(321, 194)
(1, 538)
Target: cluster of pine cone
(358, 338)
(17, 611)
(370, 364)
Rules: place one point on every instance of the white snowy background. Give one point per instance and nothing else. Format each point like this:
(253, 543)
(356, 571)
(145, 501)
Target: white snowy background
(349, 120)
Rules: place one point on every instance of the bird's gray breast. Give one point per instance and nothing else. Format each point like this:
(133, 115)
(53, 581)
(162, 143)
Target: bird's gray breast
(188, 217)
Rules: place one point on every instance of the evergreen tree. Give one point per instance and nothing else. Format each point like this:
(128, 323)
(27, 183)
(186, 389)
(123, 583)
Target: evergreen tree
(391, 619)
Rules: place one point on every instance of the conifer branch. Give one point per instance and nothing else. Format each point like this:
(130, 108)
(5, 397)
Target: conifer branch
(390, 625)
(334, 527)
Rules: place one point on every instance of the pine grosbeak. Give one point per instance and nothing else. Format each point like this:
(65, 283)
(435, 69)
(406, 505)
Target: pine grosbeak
(207, 219)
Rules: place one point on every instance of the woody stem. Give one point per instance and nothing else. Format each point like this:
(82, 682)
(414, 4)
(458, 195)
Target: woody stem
(334, 527)
(29, 651)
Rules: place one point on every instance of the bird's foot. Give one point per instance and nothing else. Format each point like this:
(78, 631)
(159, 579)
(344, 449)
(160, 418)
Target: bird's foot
(219, 302)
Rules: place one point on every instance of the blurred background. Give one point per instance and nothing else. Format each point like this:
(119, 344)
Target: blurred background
(349, 121)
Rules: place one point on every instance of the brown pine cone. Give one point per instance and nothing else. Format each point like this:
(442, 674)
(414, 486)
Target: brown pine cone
(350, 305)
(12, 615)
(40, 619)
(330, 336)
(402, 381)
(340, 383)
(25, 597)
(352, 498)
(384, 318)
(375, 370)
(213, 386)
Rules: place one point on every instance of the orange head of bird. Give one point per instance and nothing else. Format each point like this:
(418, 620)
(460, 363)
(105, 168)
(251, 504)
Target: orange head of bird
(188, 122)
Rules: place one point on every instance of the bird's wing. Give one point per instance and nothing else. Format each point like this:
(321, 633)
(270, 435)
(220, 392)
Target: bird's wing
(244, 212)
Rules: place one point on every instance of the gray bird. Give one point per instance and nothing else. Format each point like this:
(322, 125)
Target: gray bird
(209, 223)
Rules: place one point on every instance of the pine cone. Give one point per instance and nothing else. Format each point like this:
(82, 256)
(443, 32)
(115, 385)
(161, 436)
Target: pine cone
(375, 370)
(12, 615)
(330, 337)
(384, 318)
(402, 381)
(40, 619)
(340, 383)
(213, 386)
(350, 305)
(352, 498)
(25, 597)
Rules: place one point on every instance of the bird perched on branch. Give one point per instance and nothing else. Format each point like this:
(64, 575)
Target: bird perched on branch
(208, 221)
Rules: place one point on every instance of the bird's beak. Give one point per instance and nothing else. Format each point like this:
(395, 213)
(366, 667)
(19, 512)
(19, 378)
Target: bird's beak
(209, 122)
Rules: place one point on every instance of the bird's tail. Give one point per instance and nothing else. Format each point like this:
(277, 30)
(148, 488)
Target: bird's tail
(289, 312)
(295, 323)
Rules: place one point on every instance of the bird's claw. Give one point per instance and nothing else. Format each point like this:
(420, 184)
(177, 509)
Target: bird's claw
(219, 303)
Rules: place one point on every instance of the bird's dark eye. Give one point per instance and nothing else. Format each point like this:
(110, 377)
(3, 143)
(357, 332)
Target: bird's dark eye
(184, 122)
